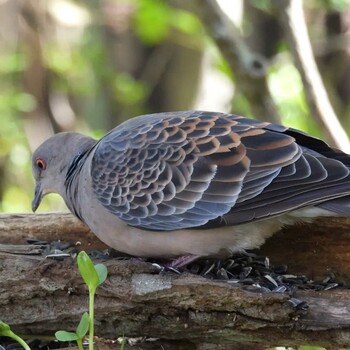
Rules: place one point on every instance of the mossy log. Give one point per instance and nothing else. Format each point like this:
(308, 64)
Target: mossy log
(40, 296)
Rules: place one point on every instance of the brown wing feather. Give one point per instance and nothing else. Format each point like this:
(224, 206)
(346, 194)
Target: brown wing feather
(184, 169)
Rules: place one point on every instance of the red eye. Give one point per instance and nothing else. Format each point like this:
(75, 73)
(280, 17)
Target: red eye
(40, 164)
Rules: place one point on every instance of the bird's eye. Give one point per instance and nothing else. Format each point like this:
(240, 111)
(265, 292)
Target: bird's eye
(40, 164)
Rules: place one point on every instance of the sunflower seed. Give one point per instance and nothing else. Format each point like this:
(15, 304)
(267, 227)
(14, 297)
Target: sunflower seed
(229, 264)
(280, 289)
(298, 304)
(245, 272)
(331, 286)
(209, 269)
(222, 274)
(270, 279)
(172, 269)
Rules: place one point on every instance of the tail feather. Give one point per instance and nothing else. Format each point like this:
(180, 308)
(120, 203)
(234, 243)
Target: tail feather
(340, 206)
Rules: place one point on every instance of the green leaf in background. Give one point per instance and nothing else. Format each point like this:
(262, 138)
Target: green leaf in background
(12, 62)
(334, 5)
(263, 5)
(102, 272)
(88, 271)
(66, 336)
(83, 325)
(186, 21)
(129, 91)
(287, 90)
(25, 102)
(152, 21)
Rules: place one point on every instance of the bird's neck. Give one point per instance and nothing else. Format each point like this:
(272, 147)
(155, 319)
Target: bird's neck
(73, 179)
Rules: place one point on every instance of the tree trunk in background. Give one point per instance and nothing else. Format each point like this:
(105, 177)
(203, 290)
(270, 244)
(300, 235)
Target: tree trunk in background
(265, 32)
(178, 87)
(39, 123)
(170, 71)
(333, 56)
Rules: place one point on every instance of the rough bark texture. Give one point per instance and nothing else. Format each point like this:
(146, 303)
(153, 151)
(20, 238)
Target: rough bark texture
(39, 296)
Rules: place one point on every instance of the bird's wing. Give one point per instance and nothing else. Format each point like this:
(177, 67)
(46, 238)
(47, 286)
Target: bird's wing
(189, 169)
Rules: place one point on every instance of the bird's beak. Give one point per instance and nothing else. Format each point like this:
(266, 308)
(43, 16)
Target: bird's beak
(38, 196)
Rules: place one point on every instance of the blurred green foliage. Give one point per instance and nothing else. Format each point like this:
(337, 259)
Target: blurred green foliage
(96, 62)
(334, 5)
(155, 19)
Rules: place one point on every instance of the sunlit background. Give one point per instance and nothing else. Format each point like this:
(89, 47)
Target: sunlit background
(88, 65)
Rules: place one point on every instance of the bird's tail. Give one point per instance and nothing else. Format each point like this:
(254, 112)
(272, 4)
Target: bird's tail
(340, 206)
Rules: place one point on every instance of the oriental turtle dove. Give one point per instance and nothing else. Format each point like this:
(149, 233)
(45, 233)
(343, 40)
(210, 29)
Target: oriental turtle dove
(192, 183)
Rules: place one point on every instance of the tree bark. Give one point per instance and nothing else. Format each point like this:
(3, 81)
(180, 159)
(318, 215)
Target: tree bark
(292, 19)
(40, 296)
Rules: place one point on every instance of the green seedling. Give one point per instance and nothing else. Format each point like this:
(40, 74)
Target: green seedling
(5, 331)
(79, 334)
(93, 276)
(122, 345)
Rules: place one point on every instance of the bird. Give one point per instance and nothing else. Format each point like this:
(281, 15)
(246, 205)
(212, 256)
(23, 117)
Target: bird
(192, 184)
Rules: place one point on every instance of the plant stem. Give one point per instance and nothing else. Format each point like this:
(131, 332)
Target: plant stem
(91, 320)
(80, 343)
(18, 339)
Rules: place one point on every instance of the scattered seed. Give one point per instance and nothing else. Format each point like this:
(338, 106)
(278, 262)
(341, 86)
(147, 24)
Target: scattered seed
(209, 269)
(280, 289)
(245, 272)
(270, 279)
(157, 266)
(295, 302)
(267, 262)
(36, 242)
(229, 264)
(172, 269)
(248, 281)
(247, 269)
(195, 269)
(233, 281)
(327, 279)
(222, 274)
(331, 286)
(57, 254)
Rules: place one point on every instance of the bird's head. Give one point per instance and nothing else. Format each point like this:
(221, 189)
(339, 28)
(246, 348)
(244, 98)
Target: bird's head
(51, 161)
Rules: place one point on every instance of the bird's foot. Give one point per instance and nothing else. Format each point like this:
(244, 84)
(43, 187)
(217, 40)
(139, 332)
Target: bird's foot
(181, 261)
(175, 264)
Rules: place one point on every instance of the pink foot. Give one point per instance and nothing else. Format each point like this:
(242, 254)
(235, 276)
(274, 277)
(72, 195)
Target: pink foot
(181, 261)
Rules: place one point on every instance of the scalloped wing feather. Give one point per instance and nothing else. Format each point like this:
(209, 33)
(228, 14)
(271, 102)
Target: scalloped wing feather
(179, 170)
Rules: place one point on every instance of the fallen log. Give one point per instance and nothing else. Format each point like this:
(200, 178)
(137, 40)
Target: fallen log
(40, 296)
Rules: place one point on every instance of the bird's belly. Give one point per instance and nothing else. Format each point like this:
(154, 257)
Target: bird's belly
(217, 242)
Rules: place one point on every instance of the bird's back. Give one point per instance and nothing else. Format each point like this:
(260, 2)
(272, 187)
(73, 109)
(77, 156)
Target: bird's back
(178, 170)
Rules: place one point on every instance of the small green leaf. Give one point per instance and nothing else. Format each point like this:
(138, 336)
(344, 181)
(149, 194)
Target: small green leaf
(4, 328)
(101, 272)
(151, 21)
(87, 271)
(83, 326)
(5, 331)
(65, 336)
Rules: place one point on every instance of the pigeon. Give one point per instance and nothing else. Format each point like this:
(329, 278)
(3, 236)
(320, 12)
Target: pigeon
(192, 184)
